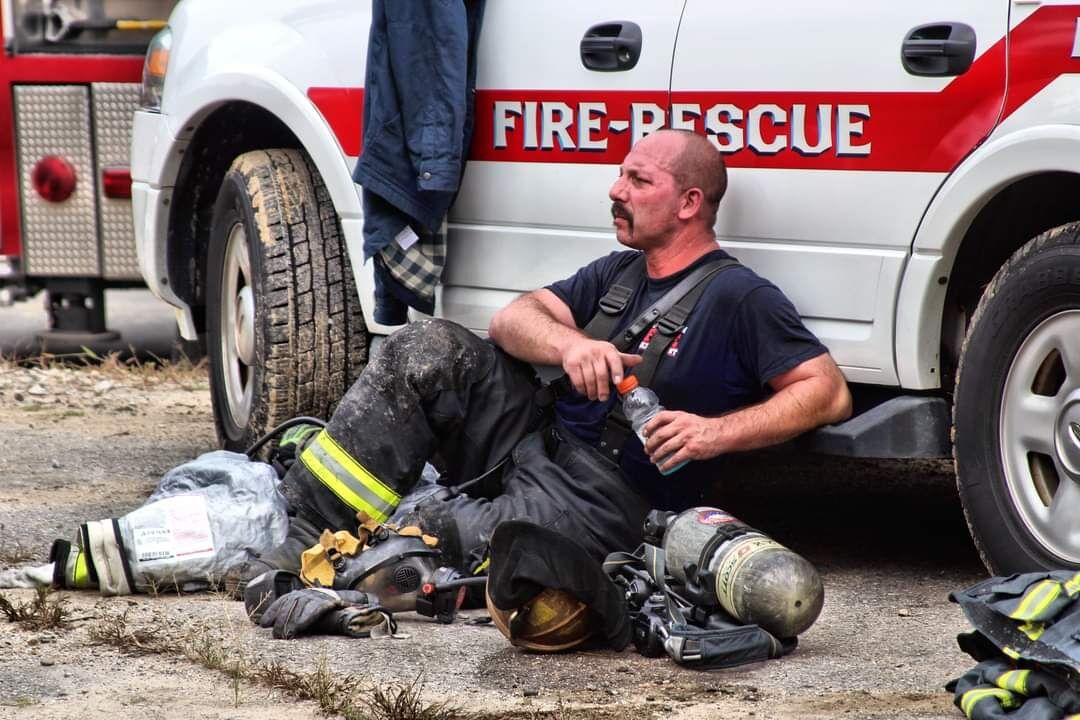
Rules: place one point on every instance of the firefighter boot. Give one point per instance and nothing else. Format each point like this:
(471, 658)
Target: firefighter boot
(302, 534)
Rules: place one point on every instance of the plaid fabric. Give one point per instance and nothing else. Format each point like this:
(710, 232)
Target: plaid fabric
(419, 268)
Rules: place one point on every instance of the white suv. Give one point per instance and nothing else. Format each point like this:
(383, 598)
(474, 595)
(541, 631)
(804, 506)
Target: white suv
(905, 171)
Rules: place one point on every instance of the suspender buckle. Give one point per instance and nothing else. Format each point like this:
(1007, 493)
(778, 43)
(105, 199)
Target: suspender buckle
(615, 299)
(668, 326)
(673, 321)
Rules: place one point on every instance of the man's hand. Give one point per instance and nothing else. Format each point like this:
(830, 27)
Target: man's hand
(675, 436)
(594, 365)
(812, 393)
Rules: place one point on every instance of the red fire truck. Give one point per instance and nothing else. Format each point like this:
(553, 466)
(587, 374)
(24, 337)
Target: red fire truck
(69, 82)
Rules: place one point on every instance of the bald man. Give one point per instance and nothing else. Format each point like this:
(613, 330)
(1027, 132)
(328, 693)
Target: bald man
(742, 372)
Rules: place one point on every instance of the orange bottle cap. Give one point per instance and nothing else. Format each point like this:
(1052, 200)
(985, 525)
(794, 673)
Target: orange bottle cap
(629, 383)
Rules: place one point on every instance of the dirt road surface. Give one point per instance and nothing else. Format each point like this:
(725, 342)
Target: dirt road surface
(87, 444)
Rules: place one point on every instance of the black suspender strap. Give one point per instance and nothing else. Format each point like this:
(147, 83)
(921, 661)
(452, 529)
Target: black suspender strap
(614, 302)
(674, 320)
(676, 302)
(673, 310)
(602, 325)
(670, 300)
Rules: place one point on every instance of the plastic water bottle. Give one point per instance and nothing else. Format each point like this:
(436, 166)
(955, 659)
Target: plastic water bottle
(639, 405)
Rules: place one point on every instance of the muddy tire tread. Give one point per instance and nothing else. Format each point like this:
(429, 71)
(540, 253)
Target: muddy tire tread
(316, 338)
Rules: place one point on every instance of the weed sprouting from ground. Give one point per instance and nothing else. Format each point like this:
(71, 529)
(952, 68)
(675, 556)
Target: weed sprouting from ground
(336, 693)
(404, 702)
(45, 611)
(113, 629)
(206, 651)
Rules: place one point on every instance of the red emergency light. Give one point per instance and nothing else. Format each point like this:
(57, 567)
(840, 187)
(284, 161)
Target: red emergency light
(116, 183)
(54, 178)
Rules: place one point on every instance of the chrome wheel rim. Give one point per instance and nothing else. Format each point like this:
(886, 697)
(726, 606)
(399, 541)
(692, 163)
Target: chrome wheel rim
(237, 326)
(1039, 434)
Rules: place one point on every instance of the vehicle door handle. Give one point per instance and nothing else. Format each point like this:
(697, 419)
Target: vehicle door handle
(939, 49)
(611, 47)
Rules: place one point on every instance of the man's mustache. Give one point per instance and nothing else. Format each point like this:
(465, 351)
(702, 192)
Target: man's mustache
(618, 210)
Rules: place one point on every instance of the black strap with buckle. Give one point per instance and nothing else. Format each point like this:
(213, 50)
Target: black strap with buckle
(669, 313)
(665, 622)
(672, 323)
(602, 325)
(615, 301)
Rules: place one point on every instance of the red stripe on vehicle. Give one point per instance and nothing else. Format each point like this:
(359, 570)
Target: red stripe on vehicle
(885, 131)
(1040, 53)
(343, 109)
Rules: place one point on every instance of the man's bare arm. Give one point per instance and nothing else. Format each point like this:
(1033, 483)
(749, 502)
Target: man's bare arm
(535, 327)
(539, 328)
(811, 394)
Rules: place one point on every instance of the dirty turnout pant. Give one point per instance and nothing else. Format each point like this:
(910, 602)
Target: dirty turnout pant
(437, 392)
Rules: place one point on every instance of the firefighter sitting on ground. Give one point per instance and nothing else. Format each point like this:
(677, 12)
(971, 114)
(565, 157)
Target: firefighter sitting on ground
(741, 372)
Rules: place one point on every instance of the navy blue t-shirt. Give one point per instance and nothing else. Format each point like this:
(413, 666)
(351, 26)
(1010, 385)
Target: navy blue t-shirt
(742, 333)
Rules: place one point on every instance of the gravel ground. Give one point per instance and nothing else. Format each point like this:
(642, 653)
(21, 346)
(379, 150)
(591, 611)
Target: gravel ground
(86, 444)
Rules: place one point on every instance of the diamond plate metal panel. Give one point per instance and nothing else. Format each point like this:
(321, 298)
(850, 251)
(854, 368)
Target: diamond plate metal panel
(113, 106)
(58, 238)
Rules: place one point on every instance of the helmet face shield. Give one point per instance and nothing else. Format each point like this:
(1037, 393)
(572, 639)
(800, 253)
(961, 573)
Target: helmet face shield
(397, 583)
(393, 571)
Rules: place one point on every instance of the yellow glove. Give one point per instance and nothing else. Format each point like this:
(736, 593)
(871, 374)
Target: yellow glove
(317, 563)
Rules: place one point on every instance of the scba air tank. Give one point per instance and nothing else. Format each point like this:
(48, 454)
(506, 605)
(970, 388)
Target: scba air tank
(748, 574)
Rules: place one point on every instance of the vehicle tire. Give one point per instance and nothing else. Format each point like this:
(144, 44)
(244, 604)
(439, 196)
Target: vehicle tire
(285, 332)
(1016, 411)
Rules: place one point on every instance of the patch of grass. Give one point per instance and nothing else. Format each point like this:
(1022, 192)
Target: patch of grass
(404, 702)
(45, 611)
(112, 629)
(336, 693)
(35, 407)
(207, 651)
(184, 373)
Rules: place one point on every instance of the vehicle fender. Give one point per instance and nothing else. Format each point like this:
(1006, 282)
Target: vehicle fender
(991, 168)
(262, 87)
(222, 54)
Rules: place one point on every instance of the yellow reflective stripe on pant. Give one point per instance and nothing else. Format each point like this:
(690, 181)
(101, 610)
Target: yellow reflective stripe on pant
(344, 476)
(1037, 600)
(972, 697)
(1014, 680)
(1033, 630)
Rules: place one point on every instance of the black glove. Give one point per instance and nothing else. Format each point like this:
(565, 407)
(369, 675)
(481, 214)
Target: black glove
(325, 611)
(358, 621)
(262, 591)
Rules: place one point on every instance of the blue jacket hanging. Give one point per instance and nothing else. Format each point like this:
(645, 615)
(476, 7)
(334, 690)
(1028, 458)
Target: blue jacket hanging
(418, 118)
